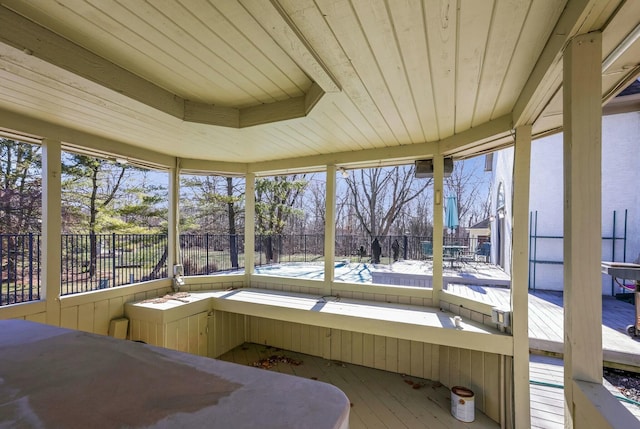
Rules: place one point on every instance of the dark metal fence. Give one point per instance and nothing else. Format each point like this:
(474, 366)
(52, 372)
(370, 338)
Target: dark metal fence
(357, 246)
(281, 248)
(211, 253)
(92, 262)
(20, 268)
(396, 247)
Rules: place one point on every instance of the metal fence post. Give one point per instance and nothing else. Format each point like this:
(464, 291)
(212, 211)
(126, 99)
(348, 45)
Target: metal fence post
(30, 266)
(113, 257)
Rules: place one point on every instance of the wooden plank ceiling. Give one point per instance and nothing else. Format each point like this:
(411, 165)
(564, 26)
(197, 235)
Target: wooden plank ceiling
(271, 85)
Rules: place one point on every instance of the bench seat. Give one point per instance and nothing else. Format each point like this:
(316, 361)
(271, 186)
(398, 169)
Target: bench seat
(402, 321)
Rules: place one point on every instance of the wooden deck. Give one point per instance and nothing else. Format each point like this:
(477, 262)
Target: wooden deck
(547, 394)
(546, 320)
(380, 399)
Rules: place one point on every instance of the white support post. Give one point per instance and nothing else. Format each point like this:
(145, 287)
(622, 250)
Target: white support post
(249, 227)
(582, 95)
(438, 225)
(520, 277)
(330, 229)
(51, 228)
(173, 236)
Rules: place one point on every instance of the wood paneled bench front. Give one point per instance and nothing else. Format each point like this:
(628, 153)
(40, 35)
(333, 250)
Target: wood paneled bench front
(161, 318)
(407, 339)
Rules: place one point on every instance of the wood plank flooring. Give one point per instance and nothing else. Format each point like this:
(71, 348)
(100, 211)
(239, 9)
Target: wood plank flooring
(386, 400)
(547, 394)
(380, 399)
(546, 321)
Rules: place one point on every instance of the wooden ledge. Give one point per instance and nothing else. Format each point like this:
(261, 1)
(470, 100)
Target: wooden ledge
(402, 321)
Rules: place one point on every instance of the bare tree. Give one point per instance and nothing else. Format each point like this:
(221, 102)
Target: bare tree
(467, 183)
(316, 207)
(379, 195)
(419, 217)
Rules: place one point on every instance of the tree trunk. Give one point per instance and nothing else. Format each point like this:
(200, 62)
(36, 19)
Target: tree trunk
(157, 270)
(93, 245)
(233, 237)
(268, 249)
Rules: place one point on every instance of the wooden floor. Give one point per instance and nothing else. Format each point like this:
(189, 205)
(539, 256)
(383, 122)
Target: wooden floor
(546, 322)
(379, 399)
(382, 399)
(547, 394)
(387, 400)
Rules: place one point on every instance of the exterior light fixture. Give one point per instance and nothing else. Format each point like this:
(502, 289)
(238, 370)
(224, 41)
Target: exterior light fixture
(344, 172)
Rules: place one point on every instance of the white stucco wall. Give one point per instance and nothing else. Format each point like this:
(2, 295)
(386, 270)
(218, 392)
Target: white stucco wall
(545, 204)
(620, 192)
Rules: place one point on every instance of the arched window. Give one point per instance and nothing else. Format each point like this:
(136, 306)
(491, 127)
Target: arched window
(500, 206)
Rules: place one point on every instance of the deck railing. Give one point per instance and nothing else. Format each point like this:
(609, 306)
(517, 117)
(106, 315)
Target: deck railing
(98, 261)
(20, 268)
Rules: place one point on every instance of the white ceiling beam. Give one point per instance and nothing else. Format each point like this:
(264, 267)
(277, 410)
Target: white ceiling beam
(35, 127)
(543, 81)
(273, 112)
(33, 39)
(275, 21)
(391, 155)
(212, 115)
(476, 135)
(202, 166)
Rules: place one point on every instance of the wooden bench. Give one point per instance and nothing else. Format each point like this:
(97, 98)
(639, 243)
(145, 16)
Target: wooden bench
(402, 321)
(407, 339)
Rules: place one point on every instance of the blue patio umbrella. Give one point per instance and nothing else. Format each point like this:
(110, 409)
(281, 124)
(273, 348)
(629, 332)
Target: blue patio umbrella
(451, 213)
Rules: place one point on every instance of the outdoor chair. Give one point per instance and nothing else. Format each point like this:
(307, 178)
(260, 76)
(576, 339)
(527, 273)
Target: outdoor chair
(483, 251)
(427, 249)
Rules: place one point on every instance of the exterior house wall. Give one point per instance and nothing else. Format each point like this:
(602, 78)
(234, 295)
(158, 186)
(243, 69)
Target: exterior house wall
(620, 178)
(501, 227)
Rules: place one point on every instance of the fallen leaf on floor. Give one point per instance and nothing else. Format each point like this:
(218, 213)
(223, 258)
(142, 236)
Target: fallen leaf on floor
(273, 360)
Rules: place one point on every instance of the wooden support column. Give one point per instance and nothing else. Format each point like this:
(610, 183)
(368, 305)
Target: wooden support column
(330, 229)
(249, 226)
(438, 225)
(173, 236)
(520, 276)
(582, 112)
(51, 228)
